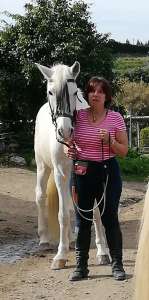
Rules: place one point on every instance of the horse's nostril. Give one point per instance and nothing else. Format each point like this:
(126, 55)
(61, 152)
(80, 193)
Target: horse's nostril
(71, 131)
(60, 132)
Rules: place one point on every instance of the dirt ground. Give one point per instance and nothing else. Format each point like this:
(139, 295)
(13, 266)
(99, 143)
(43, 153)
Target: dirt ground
(25, 274)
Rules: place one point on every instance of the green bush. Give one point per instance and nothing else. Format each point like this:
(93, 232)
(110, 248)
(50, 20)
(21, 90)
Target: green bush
(144, 136)
(28, 156)
(135, 167)
(133, 153)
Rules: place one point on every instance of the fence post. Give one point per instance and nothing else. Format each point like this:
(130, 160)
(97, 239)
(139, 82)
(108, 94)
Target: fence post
(138, 136)
(130, 128)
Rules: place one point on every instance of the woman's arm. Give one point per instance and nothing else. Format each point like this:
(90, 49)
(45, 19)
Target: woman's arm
(119, 145)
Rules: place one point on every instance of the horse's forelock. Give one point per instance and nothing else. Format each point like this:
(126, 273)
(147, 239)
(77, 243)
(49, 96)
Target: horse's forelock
(60, 74)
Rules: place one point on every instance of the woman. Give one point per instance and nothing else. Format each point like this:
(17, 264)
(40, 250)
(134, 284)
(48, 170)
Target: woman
(99, 135)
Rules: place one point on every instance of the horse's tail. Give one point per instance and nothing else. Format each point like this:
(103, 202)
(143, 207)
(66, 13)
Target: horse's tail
(53, 206)
(142, 260)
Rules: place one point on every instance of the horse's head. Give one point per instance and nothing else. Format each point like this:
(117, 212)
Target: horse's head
(62, 96)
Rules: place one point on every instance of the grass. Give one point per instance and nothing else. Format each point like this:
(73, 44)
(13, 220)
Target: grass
(127, 63)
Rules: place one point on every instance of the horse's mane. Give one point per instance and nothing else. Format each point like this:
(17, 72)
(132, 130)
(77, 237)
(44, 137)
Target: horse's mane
(142, 260)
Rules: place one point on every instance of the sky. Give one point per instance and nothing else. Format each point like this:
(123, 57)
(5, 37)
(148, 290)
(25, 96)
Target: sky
(123, 19)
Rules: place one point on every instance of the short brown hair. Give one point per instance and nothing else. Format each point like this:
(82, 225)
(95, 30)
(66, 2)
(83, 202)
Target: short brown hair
(105, 85)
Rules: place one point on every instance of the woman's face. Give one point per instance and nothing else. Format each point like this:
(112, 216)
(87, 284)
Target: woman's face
(96, 97)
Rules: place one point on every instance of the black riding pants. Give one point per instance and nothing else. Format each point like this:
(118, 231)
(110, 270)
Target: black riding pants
(90, 187)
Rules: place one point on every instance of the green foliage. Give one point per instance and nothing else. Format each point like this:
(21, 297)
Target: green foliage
(138, 74)
(134, 166)
(133, 153)
(144, 137)
(137, 166)
(133, 68)
(129, 63)
(132, 75)
(29, 157)
(49, 32)
(134, 95)
(127, 48)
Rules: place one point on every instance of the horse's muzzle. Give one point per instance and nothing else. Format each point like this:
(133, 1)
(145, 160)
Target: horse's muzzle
(65, 134)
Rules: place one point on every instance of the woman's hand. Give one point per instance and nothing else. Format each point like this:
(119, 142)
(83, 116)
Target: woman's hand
(70, 151)
(104, 135)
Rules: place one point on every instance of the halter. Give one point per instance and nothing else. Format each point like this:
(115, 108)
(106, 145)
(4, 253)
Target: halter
(60, 109)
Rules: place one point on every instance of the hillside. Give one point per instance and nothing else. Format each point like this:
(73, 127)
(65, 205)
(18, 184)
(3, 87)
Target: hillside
(131, 63)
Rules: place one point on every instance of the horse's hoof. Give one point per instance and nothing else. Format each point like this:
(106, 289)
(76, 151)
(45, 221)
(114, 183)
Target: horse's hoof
(58, 264)
(44, 247)
(103, 260)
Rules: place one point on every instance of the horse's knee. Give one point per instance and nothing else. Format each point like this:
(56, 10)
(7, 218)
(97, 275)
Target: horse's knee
(40, 199)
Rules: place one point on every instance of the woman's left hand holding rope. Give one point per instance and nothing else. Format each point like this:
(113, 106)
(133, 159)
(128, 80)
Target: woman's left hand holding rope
(70, 151)
(104, 135)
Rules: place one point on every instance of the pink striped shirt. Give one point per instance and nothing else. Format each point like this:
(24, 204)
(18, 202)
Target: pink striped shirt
(86, 135)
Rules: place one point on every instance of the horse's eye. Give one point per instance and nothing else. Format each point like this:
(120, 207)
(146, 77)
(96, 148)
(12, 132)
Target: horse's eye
(75, 94)
(50, 93)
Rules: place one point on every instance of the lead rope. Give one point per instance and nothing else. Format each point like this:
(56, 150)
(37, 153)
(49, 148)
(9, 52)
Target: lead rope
(103, 197)
(92, 209)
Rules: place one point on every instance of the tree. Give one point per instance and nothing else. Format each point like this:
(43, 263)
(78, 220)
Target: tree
(127, 41)
(49, 32)
(138, 43)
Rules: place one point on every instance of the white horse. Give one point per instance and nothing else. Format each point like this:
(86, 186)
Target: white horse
(142, 260)
(54, 125)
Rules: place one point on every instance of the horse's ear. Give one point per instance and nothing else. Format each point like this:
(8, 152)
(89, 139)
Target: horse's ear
(44, 70)
(75, 69)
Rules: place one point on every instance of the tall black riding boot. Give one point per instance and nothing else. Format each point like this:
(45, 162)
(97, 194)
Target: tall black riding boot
(82, 254)
(118, 270)
(114, 239)
(117, 265)
(81, 271)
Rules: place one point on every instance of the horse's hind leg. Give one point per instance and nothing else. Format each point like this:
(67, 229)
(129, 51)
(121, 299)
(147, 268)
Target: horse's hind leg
(42, 178)
(102, 251)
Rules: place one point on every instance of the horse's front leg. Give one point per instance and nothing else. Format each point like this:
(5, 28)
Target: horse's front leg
(100, 239)
(42, 178)
(62, 184)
